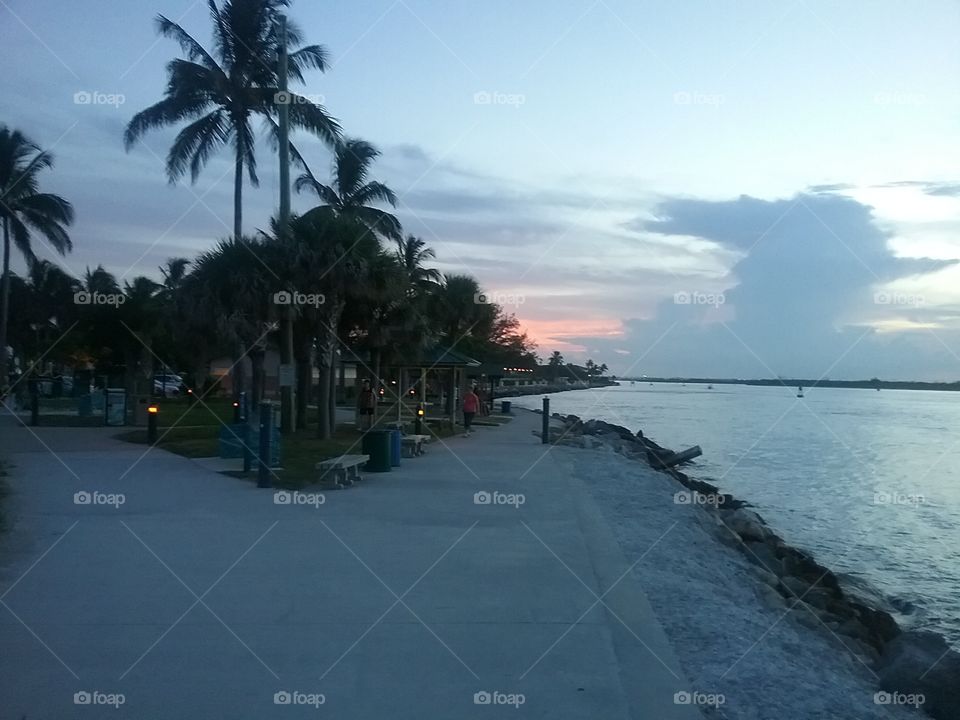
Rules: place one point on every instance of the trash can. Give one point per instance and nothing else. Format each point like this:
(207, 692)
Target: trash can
(376, 444)
(115, 410)
(85, 405)
(395, 446)
(505, 407)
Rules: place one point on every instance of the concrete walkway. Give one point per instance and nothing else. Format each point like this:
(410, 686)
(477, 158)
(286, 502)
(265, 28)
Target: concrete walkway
(402, 597)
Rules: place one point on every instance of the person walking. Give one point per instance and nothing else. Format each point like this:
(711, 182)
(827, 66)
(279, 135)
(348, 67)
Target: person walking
(366, 404)
(471, 403)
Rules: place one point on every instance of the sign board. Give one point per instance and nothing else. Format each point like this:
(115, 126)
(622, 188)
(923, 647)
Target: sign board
(286, 375)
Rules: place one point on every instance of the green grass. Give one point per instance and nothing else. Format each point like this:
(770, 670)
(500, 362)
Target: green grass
(187, 441)
(299, 452)
(182, 412)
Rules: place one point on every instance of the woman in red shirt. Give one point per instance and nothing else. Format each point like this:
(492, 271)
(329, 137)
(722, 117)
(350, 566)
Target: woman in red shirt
(471, 403)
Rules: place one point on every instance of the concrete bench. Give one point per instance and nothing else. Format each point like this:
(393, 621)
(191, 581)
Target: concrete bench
(412, 445)
(341, 471)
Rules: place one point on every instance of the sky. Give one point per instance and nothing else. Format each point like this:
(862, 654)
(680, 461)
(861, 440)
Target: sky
(737, 189)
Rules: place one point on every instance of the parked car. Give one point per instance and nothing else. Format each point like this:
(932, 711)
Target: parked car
(168, 385)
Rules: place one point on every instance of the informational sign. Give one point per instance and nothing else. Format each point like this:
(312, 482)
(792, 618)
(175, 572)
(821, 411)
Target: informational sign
(286, 375)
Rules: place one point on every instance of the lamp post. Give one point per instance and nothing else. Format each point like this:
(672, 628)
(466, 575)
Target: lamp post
(153, 411)
(545, 435)
(418, 423)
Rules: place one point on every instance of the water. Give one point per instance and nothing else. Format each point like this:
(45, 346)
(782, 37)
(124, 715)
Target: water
(868, 481)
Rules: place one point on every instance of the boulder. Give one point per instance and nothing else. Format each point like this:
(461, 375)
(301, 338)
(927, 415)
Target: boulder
(760, 554)
(867, 653)
(879, 622)
(796, 588)
(852, 628)
(820, 598)
(764, 576)
(920, 662)
(746, 523)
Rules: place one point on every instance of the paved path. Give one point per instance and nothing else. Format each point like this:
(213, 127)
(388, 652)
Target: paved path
(200, 597)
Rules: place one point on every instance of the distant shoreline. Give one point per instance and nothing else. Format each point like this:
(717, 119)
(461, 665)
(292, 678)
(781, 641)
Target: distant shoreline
(524, 391)
(807, 383)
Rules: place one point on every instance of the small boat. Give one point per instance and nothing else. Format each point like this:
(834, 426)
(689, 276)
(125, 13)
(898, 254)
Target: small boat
(709, 387)
(799, 392)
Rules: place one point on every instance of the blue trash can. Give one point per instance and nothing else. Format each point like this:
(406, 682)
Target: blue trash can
(505, 407)
(395, 443)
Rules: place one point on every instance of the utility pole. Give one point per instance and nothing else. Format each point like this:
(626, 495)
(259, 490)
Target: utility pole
(286, 332)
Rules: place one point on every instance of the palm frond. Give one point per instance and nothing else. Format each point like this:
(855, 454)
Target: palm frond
(194, 50)
(374, 192)
(195, 144)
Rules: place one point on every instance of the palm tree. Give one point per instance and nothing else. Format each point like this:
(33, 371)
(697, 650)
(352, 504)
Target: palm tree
(140, 315)
(351, 195)
(228, 293)
(44, 302)
(412, 253)
(220, 95)
(23, 208)
(328, 256)
(459, 314)
(554, 364)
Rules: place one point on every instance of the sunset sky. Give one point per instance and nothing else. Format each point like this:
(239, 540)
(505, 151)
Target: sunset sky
(741, 189)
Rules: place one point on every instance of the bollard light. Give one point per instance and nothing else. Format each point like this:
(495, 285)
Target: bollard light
(545, 433)
(152, 412)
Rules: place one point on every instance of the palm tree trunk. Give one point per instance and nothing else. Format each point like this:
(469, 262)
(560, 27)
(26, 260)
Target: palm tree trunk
(4, 304)
(237, 373)
(304, 376)
(287, 419)
(238, 195)
(332, 399)
(256, 377)
(325, 366)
